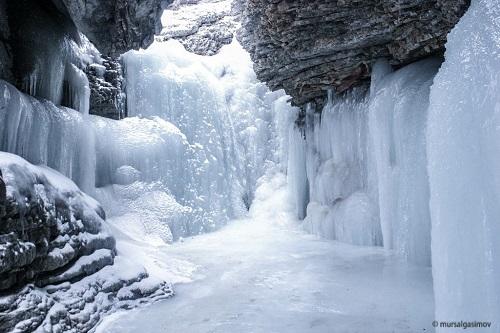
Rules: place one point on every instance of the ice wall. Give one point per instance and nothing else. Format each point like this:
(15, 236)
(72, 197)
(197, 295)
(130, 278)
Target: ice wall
(416, 156)
(365, 163)
(397, 120)
(228, 117)
(337, 168)
(201, 132)
(463, 152)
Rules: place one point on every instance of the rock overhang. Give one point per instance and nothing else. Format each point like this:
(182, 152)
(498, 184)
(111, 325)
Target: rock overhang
(306, 47)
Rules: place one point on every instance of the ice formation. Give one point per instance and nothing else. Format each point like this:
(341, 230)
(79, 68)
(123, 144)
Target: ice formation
(365, 179)
(226, 115)
(411, 157)
(42, 133)
(59, 76)
(200, 134)
(415, 157)
(463, 163)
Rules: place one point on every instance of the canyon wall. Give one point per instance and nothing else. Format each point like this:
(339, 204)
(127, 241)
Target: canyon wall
(306, 47)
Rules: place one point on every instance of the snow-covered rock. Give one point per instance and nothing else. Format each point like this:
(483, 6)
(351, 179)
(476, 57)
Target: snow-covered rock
(202, 26)
(47, 224)
(53, 238)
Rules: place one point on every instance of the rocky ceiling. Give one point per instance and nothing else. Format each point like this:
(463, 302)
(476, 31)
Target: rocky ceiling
(308, 46)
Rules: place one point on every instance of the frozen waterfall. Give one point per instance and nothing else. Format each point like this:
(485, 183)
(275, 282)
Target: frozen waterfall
(414, 158)
(365, 163)
(201, 132)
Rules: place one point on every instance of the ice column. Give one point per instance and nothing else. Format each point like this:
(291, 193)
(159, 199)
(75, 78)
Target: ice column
(397, 120)
(463, 149)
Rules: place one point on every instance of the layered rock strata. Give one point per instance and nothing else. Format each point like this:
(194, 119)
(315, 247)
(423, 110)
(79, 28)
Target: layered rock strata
(306, 47)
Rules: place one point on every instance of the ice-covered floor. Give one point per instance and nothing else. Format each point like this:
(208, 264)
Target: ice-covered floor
(263, 274)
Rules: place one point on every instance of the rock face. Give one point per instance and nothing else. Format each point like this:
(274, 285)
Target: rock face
(107, 98)
(5, 50)
(307, 46)
(116, 26)
(202, 26)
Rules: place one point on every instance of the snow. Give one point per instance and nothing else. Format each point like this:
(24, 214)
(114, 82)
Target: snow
(52, 181)
(186, 18)
(86, 265)
(264, 274)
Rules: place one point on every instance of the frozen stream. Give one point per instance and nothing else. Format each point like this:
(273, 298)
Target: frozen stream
(263, 274)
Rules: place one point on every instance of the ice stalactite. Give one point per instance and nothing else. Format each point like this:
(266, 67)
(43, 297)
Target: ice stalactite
(60, 78)
(77, 90)
(296, 171)
(58, 137)
(397, 120)
(366, 163)
(463, 161)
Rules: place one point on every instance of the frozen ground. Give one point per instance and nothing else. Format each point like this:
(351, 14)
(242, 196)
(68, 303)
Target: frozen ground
(264, 274)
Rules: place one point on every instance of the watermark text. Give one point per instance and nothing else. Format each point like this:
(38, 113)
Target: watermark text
(461, 324)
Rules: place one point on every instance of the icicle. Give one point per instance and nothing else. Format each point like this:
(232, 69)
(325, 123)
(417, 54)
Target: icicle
(297, 174)
(79, 91)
